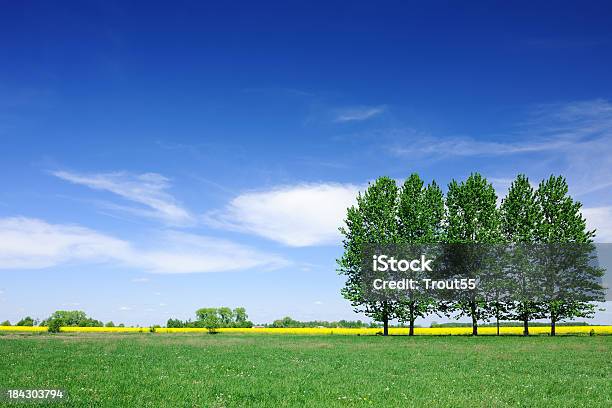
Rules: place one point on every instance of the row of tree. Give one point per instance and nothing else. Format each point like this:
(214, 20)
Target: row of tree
(469, 218)
(289, 322)
(208, 317)
(215, 317)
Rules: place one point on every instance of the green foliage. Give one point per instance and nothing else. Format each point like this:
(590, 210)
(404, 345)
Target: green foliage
(213, 318)
(373, 220)
(562, 222)
(109, 324)
(73, 318)
(175, 323)
(5, 323)
(288, 322)
(420, 218)
(510, 275)
(472, 218)
(521, 217)
(26, 321)
(54, 325)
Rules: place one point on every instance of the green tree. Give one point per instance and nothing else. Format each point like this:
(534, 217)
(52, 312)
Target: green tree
(175, 323)
(520, 218)
(569, 276)
(208, 317)
(472, 218)
(109, 324)
(241, 318)
(226, 316)
(54, 325)
(26, 321)
(420, 217)
(5, 323)
(372, 221)
(75, 318)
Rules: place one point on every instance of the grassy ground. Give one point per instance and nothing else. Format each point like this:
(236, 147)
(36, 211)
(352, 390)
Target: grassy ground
(186, 370)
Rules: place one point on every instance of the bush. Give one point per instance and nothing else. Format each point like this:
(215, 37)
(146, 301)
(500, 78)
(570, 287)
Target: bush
(26, 321)
(73, 318)
(54, 325)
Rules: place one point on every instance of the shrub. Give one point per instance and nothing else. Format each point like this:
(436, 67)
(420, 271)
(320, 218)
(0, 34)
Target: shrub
(26, 321)
(54, 325)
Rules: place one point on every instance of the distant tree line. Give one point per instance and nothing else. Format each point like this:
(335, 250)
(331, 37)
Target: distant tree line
(505, 324)
(213, 318)
(514, 250)
(288, 322)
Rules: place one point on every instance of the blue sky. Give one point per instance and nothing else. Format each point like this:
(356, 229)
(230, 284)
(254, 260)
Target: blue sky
(156, 159)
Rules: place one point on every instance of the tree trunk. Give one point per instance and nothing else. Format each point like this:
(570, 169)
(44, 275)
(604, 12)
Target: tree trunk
(553, 322)
(411, 331)
(525, 325)
(497, 320)
(385, 320)
(474, 321)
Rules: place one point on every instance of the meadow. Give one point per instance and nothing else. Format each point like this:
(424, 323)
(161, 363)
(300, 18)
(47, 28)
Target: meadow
(236, 369)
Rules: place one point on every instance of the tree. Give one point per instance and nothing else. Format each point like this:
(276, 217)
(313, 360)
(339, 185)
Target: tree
(54, 325)
(5, 323)
(420, 217)
(75, 318)
(26, 321)
(520, 215)
(372, 221)
(226, 316)
(209, 317)
(473, 219)
(241, 318)
(566, 263)
(175, 323)
(109, 324)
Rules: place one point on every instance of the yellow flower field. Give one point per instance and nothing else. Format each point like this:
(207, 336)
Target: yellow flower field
(438, 331)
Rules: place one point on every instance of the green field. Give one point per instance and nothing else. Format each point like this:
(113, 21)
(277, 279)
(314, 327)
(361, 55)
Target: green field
(188, 370)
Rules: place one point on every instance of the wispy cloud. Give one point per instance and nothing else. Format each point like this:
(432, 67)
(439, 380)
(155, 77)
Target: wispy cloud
(149, 190)
(358, 113)
(575, 135)
(27, 243)
(299, 215)
(554, 127)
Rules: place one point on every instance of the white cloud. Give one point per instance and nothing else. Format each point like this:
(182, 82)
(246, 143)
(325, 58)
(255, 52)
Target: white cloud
(358, 113)
(600, 218)
(124, 308)
(31, 243)
(27, 243)
(140, 280)
(186, 253)
(300, 215)
(147, 189)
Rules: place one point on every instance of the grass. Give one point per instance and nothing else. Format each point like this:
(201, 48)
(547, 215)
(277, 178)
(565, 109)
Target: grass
(188, 370)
